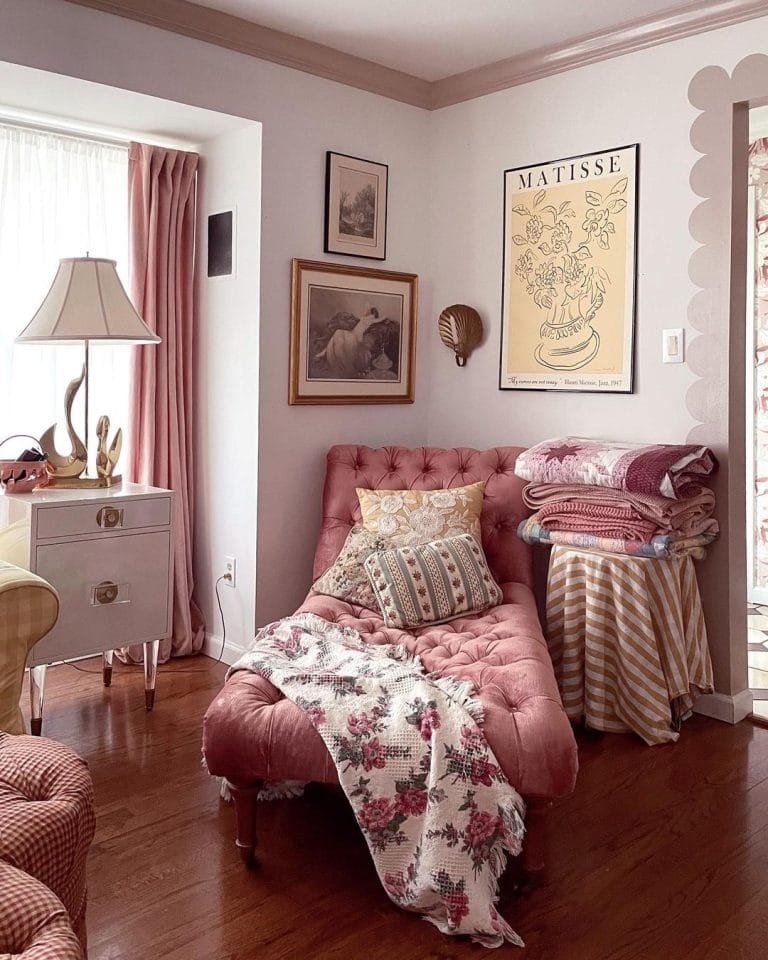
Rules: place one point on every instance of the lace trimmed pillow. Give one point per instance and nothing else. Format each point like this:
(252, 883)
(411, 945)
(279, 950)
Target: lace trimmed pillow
(346, 578)
(432, 582)
(418, 516)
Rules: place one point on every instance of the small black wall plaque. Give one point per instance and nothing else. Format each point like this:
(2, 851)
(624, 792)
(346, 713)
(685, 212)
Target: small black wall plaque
(220, 244)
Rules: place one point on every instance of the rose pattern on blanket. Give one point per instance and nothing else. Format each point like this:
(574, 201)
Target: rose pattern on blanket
(434, 806)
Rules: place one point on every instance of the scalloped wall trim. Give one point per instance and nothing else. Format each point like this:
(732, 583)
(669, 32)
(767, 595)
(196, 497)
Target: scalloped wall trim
(244, 36)
(717, 311)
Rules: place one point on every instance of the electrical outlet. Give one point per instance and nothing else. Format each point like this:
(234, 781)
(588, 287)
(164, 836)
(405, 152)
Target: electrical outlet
(230, 569)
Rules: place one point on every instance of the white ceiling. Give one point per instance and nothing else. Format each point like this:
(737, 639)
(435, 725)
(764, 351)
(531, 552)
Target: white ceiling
(433, 39)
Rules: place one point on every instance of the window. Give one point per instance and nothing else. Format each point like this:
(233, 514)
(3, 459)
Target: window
(60, 196)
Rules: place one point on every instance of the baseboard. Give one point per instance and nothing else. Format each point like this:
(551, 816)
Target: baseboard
(229, 654)
(722, 706)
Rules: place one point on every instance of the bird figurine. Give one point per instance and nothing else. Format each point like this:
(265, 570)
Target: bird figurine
(73, 463)
(106, 458)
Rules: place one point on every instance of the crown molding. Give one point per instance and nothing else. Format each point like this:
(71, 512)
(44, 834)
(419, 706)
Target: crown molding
(235, 33)
(244, 36)
(637, 35)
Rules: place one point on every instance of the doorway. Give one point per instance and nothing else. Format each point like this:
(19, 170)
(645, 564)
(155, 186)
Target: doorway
(756, 411)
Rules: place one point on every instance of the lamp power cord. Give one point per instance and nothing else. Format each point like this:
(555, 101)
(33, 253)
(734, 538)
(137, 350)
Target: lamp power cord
(225, 576)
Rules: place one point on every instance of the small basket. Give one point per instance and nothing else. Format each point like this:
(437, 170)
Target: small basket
(22, 476)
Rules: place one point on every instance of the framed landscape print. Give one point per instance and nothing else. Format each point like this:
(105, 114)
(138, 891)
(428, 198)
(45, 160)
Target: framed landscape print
(353, 334)
(570, 274)
(355, 206)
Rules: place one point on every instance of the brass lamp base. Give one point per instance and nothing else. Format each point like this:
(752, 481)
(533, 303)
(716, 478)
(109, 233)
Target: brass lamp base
(64, 470)
(84, 483)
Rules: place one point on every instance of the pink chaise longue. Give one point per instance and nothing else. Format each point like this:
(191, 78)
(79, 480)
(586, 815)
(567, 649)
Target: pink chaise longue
(252, 733)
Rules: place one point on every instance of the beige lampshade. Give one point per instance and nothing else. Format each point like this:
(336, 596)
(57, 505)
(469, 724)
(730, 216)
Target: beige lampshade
(86, 301)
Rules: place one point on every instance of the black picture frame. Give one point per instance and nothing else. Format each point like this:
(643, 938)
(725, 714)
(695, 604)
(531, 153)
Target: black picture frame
(631, 288)
(363, 233)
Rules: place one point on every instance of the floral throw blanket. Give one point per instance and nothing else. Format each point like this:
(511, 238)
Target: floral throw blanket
(436, 811)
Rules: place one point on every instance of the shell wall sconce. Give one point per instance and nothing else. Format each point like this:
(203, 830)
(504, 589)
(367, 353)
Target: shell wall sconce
(461, 329)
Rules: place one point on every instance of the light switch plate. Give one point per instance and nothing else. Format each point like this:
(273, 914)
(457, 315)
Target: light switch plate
(673, 346)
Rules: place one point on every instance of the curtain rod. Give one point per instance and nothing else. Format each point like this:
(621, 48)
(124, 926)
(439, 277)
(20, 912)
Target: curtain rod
(47, 123)
(62, 131)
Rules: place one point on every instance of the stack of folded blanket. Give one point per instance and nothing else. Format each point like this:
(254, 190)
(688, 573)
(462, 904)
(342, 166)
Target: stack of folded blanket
(645, 501)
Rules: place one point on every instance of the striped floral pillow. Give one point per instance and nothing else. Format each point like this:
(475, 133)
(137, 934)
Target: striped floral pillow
(432, 582)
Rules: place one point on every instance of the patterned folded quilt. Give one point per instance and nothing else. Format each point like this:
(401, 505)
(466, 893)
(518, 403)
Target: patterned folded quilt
(615, 513)
(668, 470)
(660, 547)
(682, 517)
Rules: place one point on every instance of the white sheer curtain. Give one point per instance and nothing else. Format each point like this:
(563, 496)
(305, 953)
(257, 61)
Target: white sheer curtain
(60, 196)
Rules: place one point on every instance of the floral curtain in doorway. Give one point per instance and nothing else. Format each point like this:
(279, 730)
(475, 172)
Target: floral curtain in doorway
(758, 178)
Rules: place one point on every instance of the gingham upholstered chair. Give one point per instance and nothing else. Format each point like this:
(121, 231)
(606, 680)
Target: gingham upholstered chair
(29, 607)
(46, 827)
(33, 922)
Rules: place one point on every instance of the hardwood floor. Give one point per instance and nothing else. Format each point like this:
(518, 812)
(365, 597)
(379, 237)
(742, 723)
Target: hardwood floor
(661, 854)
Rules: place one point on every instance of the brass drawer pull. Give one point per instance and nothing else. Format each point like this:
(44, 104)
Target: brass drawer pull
(106, 592)
(109, 517)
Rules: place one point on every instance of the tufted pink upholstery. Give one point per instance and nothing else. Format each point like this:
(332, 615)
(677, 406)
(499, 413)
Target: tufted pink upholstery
(428, 468)
(251, 732)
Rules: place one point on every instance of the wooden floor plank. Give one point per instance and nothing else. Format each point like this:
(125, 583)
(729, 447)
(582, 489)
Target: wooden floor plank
(661, 853)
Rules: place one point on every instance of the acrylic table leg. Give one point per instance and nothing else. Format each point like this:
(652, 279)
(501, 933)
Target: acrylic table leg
(36, 697)
(106, 666)
(151, 650)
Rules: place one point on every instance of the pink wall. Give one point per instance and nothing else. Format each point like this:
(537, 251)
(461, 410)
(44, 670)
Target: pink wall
(445, 224)
(642, 97)
(302, 117)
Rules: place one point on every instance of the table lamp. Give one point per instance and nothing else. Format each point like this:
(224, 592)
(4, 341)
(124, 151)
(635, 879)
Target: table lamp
(86, 302)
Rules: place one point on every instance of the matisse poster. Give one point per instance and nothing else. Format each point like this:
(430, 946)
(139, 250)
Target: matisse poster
(568, 305)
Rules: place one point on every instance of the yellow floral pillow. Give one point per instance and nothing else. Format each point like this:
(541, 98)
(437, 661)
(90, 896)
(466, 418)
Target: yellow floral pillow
(418, 516)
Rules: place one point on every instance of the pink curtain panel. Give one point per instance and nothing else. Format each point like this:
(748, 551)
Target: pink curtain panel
(161, 195)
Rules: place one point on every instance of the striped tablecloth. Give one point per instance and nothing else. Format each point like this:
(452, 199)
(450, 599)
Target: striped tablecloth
(628, 640)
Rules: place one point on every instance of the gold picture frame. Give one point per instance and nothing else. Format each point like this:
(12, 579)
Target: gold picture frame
(353, 334)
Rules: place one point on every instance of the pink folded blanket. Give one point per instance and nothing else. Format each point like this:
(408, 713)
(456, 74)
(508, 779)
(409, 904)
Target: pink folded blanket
(603, 521)
(669, 470)
(565, 504)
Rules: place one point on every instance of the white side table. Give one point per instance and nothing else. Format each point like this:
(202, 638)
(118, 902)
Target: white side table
(109, 554)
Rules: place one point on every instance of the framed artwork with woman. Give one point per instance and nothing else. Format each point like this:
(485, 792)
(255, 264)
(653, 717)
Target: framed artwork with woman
(353, 334)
